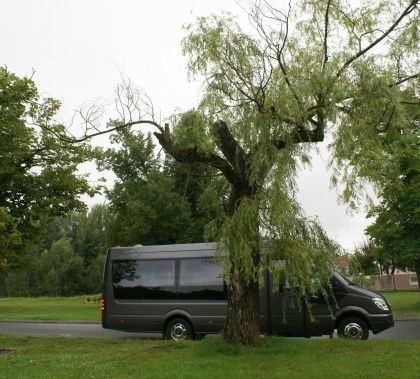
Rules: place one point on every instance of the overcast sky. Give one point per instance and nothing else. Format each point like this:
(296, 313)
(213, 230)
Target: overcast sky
(78, 49)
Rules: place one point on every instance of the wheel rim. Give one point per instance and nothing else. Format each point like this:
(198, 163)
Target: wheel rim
(178, 332)
(353, 330)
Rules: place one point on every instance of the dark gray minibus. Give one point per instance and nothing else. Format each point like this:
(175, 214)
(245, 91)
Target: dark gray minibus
(178, 290)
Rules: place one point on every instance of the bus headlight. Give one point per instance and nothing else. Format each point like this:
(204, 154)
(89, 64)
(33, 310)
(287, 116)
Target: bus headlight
(380, 303)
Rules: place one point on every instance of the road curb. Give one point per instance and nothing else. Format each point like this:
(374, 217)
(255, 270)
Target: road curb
(52, 321)
(407, 318)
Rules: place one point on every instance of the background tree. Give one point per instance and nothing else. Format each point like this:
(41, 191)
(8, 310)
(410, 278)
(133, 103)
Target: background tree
(156, 201)
(9, 237)
(71, 245)
(363, 260)
(268, 98)
(38, 170)
(205, 189)
(88, 232)
(54, 272)
(89, 236)
(62, 270)
(396, 229)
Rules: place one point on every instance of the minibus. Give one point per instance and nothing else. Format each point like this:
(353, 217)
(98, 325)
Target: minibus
(178, 290)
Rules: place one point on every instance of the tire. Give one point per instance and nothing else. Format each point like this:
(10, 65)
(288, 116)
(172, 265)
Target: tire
(353, 328)
(179, 329)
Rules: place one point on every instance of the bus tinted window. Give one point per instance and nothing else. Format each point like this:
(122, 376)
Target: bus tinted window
(201, 279)
(135, 279)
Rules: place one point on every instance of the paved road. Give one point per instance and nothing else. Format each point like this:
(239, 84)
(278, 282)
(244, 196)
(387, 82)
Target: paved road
(403, 330)
(41, 329)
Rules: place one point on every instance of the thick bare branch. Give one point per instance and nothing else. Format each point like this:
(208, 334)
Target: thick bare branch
(192, 155)
(109, 130)
(229, 147)
(302, 135)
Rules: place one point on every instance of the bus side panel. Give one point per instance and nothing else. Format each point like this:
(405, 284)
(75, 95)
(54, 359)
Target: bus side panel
(150, 316)
(207, 316)
(139, 315)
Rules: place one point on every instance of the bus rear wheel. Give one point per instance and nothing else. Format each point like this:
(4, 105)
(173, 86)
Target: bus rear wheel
(179, 329)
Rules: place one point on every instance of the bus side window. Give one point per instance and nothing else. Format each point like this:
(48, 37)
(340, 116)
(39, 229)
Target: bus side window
(201, 279)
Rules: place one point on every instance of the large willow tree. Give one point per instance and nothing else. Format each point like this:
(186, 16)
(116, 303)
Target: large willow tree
(270, 96)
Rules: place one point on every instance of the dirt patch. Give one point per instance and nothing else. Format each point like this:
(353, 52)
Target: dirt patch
(5, 351)
(156, 347)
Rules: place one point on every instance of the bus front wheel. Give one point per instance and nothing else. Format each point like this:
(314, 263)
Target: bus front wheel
(353, 328)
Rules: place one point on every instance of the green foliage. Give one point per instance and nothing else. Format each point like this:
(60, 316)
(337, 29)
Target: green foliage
(397, 216)
(38, 170)
(148, 213)
(239, 240)
(154, 205)
(134, 158)
(202, 186)
(87, 232)
(364, 259)
(57, 271)
(205, 192)
(192, 129)
(9, 237)
(206, 201)
(301, 75)
(22, 279)
(63, 270)
(66, 259)
(254, 100)
(144, 205)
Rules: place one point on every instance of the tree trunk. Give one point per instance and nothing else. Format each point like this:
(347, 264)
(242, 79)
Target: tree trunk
(243, 313)
(242, 322)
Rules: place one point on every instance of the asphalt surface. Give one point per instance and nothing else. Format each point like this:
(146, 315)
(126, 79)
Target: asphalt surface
(403, 330)
(54, 329)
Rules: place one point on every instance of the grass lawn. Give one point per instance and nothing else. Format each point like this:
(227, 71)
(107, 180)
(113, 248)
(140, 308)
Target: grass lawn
(35, 357)
(49, 308)
(404, 303)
